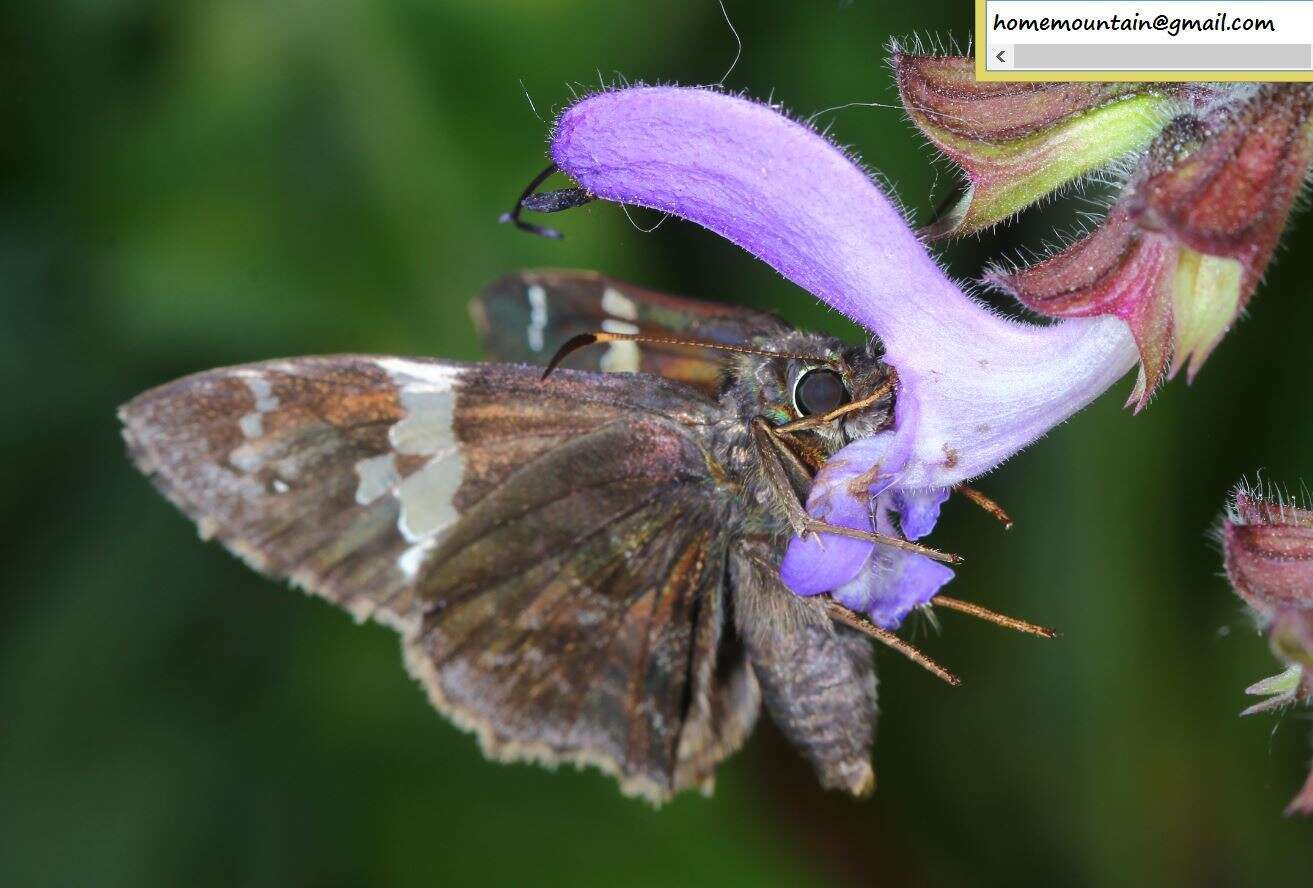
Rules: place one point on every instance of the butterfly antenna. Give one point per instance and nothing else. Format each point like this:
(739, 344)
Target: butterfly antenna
(547, 202)
(583, 340)
(990, 616)
(986, 503)
(851, 618)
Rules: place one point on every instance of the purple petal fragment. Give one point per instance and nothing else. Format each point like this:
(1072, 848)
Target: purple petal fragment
(815, 564)
(980, 386)
(892, 582)
(883, 582)
(841, 494)
(918, 510)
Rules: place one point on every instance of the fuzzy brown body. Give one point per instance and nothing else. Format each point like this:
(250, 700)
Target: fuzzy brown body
(582, 569)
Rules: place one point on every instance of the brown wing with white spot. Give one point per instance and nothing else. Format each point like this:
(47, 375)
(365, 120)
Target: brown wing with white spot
(551, 552)
(290, 464)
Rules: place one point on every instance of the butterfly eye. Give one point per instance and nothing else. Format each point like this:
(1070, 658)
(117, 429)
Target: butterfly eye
(819, 391)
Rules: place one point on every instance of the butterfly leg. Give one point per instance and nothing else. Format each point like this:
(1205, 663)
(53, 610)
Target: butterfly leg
(788, 478)
(883, 539)
(992, 616)
(985, 503)
(857, 621)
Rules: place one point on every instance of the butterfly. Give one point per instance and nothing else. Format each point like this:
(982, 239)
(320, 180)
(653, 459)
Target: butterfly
(582, 565)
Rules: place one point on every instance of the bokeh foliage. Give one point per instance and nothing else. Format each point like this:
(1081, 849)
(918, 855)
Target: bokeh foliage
(186, 185)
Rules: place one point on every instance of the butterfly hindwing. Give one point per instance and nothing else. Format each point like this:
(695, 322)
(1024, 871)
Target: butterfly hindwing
(526, 316)
(549, 551)
(579, 604)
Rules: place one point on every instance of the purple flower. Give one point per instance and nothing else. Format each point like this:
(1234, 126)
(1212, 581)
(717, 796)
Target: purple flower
(974, 387)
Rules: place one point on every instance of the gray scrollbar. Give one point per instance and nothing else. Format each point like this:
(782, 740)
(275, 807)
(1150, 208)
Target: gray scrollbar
(1159, 57)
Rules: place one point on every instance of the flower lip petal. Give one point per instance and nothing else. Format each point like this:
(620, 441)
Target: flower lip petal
(883, 582)
(842, 494)
(817, 564)
(892, 582)
(914, 582)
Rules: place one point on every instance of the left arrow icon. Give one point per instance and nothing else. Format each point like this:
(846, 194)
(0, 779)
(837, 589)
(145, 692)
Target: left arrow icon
(999, 56)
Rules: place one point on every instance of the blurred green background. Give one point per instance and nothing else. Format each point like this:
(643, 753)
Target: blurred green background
(188, 185)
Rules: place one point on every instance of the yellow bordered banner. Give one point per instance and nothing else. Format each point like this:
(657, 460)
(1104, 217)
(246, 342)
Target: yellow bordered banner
(1155, 40)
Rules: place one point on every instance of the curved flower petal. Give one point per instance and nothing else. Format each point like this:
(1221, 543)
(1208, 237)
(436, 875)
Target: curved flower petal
(892, 584)
(817, 563)
(980, 386)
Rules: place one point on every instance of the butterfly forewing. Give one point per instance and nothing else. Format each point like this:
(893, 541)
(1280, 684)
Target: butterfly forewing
(287, 463)
(525, 317)
(549, 550)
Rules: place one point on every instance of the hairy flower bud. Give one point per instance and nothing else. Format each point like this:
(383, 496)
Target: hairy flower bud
(1269, 553)
(1184, 248)
(1185, 244)
(1268, 545)
(1017, 142)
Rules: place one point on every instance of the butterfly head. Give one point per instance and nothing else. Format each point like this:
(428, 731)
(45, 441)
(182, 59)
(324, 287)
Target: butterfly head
(824, 390)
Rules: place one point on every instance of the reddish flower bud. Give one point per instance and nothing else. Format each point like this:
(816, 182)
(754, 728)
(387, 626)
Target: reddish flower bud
(1303, 802)
(1268, 546)
(1269, 553)
(1017, 142)
(1185, 246)
(1118, 270)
